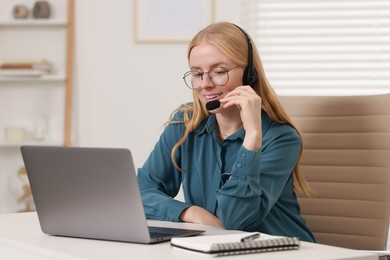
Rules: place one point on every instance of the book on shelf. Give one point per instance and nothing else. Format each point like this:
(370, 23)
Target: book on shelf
(23, 61)
(235, 244)
(33, 66)
(25, 68)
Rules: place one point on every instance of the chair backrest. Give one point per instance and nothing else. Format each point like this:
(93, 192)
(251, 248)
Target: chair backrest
(346, 160)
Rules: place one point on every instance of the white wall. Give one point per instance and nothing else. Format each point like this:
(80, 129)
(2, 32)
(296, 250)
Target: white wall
(124, 91)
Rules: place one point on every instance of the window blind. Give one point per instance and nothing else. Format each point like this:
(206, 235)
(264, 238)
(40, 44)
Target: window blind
(316, 44)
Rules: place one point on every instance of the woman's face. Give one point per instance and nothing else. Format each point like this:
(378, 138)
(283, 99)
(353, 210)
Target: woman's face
(205, 57)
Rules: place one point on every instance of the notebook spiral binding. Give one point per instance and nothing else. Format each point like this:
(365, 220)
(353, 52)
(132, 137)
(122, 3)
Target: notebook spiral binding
(256, 246)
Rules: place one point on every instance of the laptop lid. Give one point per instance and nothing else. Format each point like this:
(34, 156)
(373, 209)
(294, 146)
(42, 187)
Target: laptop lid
(89, 193)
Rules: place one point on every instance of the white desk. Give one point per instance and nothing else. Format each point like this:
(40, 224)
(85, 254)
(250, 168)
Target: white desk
(21, 238)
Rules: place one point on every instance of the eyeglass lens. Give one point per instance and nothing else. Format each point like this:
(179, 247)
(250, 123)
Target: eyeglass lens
(218, 76)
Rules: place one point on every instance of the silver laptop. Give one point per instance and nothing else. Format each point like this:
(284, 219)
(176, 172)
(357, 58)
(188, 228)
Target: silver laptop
(90, 193)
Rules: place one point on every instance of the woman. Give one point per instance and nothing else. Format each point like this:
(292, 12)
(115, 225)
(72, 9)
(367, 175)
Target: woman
(237, 161)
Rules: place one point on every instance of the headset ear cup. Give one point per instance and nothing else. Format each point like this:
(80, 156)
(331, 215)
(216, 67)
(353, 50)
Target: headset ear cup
(250, 77)
(254, 78)
(246, 77)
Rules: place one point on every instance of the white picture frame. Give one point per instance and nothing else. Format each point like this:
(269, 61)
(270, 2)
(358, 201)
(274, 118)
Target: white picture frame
(171, 20)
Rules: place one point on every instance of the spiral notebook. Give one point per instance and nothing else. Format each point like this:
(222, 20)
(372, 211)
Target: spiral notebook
(236, 244)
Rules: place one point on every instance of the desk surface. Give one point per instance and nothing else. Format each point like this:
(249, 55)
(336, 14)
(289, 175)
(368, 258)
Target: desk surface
(21, 238)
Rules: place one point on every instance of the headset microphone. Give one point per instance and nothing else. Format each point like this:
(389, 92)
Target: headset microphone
(213, 105)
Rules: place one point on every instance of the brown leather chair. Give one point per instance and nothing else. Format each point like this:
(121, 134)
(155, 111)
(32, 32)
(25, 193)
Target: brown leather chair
(346, 160)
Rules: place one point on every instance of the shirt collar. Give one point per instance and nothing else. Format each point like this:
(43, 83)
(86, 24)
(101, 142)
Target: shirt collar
(209, 126)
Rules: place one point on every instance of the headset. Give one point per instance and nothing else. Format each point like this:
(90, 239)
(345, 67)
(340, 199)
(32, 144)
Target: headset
(250, 76)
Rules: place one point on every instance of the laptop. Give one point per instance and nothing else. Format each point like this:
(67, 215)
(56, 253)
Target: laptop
(90, 193)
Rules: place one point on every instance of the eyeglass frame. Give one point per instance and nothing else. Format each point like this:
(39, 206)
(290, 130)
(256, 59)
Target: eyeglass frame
(188, 73)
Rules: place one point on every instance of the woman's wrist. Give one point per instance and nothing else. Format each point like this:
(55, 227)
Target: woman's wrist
(185, 215)
(198, 215)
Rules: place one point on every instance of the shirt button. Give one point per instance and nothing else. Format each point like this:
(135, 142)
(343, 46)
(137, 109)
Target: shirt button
(238, 165)
(243, 155)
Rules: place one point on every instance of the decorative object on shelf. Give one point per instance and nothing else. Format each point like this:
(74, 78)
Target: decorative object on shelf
(15, 134)
(20, 12)
(40, 129)
(19, 187)
(41, 10)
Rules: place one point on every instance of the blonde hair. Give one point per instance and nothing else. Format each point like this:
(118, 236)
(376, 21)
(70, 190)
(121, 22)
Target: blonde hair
(229, 39)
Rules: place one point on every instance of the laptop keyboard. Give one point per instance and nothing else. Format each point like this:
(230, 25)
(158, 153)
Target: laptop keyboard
(162, 232)
(156, 232)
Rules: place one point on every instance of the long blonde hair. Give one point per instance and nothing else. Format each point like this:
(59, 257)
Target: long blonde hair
(229, 39)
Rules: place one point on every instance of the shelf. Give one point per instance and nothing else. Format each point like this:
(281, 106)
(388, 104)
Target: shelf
(4, 144)
(33, 23)
(49, 78)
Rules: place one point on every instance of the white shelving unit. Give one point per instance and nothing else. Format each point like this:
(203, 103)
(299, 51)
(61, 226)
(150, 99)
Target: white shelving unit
(34, 104)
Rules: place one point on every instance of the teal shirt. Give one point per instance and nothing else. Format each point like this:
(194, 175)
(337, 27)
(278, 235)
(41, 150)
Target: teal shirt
(247, 190)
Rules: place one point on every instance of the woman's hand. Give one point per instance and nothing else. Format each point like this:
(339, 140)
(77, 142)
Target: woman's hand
(249, 104)
(195, 214)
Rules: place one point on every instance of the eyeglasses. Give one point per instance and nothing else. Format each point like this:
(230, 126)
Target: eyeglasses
(219, 76)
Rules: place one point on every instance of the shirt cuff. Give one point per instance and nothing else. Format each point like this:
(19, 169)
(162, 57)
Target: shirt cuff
(175, 209)
(247, 163)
